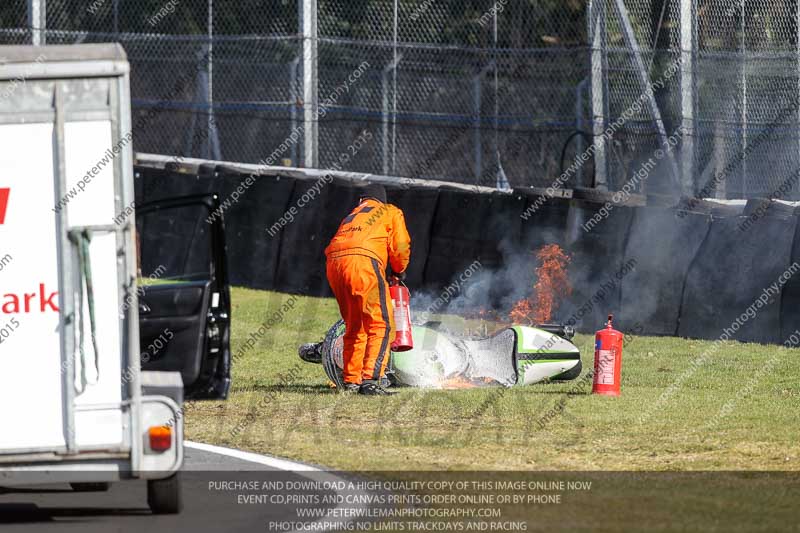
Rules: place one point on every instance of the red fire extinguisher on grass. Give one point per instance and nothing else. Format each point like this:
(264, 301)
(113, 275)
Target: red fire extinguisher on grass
(607, 360)
(401, 302)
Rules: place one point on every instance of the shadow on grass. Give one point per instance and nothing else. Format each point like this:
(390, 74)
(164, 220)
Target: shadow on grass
(293, 387)
(553, 388)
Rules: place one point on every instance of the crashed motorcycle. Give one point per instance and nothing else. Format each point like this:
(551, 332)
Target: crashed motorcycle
(513, 356)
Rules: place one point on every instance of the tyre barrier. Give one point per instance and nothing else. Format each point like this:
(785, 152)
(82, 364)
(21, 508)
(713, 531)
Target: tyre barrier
(422, 203)
(694, 269)
(595, 240)
(253, 254)
(732, 286)
(662, 246)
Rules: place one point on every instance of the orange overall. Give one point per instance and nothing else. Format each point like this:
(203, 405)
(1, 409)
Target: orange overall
(373, 234)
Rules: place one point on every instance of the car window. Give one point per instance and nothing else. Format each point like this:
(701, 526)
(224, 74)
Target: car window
(174, 245)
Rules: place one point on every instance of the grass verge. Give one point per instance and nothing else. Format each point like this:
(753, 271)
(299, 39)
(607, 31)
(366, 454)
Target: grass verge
(725, 415)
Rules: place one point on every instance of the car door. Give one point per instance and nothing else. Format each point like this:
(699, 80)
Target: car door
(184, 296)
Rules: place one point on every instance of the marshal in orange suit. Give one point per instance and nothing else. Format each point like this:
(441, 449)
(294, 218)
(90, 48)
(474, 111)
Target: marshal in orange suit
(373, 235)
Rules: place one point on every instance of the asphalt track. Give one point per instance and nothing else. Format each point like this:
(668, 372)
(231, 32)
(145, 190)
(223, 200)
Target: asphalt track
(124, 507)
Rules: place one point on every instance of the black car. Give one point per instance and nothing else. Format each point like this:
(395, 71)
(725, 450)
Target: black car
(184, 293)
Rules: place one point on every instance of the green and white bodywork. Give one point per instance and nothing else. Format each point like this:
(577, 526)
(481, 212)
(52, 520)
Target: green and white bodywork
(543, 355)
(514, 356)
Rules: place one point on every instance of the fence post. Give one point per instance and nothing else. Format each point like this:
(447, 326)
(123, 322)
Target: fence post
(579, 127)
(294, 97)
(116, 17)
(37, 21)
(744, 101)
(477, 145)
(477, 120)
(308, 26)
(496, 122)
(391, 67)
(385, 118)
(688, 43)
(395, 61)
(212, 147)
(597, 33)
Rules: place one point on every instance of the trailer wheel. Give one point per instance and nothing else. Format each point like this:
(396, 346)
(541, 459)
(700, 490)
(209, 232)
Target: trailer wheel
(90, 487)
(164, 495)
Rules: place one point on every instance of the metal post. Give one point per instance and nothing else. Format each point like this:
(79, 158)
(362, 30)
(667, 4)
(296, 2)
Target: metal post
(744, 105)
(37, 21)
(116, 17)
(200, 95)
(597, 31)
(477, 135)
(209, 77)
(308, 25)
(294, 97)
(391, 67)
(688, 43)
(385, 118)
(212, 148)
(477, 95)
(66, 281)
(579, 126)
(395, 60)
(496, 122)
(385, 121)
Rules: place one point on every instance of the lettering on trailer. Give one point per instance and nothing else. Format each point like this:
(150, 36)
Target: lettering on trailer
(40, 301)
(4, 193)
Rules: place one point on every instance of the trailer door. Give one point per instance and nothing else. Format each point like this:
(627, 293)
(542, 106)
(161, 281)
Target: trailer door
(67, 383)
(31, 380)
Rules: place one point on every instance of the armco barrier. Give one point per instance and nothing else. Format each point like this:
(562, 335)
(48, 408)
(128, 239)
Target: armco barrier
(662, 245)
(731, 272)
(660, 271)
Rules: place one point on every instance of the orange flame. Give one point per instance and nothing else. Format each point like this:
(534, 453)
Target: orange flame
(460, 382)
(457, 382)
(551, 284)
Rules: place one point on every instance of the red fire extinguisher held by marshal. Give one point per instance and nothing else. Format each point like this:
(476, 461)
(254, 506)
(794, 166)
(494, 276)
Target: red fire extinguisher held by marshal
(401, 302)
(607, 360)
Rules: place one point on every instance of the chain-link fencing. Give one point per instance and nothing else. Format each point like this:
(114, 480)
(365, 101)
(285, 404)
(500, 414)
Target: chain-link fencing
(474, 91)
(491, 92)
(721, 73)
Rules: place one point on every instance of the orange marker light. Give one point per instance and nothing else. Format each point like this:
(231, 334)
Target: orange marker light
(160, 438)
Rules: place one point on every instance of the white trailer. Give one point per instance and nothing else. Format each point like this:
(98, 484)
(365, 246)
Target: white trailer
(74, 405)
